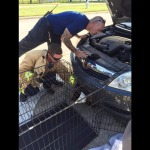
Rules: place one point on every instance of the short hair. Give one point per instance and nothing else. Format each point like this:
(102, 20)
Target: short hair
(98, 18)
(54, 48)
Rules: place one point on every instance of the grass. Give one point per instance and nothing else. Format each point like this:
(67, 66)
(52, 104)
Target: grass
(26, 10)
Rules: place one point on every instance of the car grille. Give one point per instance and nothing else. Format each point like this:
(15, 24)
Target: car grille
(91, 72)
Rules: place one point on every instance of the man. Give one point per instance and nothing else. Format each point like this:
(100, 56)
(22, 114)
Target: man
(60, 27)
(41, 66)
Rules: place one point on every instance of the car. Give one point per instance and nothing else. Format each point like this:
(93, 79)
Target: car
(108, 65)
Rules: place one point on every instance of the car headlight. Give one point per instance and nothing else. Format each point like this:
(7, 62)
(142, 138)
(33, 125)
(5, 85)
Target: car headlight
(122, 82)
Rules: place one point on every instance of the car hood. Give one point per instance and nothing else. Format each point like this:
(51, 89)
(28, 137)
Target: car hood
(120, 10)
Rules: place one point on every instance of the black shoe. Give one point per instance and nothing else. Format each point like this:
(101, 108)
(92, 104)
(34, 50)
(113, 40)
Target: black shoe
(58, 83)
(23, 98)
(51, 91)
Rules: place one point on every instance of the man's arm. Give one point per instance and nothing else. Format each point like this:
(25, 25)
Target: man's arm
(66, 36)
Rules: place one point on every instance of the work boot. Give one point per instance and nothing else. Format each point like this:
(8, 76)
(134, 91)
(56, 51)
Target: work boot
(58, 83)
(23, 97)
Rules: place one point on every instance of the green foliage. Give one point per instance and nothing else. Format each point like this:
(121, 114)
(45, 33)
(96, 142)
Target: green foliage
(41, 9)
(55, 1)
(28, 1)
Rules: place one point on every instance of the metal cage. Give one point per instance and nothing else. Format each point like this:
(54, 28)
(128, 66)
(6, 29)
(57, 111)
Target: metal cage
(69, 119)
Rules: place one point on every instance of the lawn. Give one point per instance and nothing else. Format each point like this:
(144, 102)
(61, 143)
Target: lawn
(40, 9)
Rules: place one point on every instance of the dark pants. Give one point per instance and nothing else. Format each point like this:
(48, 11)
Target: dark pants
(39, 34)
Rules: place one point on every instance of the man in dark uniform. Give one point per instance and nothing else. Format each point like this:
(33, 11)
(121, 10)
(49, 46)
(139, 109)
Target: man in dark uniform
(60, 27)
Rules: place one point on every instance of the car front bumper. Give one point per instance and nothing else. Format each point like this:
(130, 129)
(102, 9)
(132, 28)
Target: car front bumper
(114, 100)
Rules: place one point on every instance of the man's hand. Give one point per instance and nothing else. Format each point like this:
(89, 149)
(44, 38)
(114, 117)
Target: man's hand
(81, 54)
(82, 36)
(66, 40)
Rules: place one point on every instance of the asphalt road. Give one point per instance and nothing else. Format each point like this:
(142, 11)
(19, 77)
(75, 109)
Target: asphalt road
(26, 24)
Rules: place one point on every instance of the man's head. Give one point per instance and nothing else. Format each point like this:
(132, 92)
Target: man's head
(96, 25)
(54, 52)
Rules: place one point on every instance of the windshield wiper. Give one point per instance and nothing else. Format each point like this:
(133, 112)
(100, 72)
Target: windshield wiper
(124, 25)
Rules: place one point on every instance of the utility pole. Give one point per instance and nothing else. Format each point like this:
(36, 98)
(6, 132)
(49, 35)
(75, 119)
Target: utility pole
(87, 4)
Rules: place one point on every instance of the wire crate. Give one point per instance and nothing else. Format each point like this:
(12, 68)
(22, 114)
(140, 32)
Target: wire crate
(69, 119)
